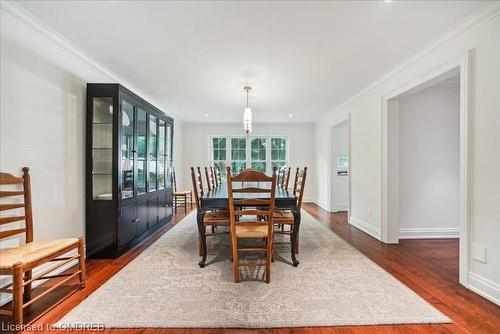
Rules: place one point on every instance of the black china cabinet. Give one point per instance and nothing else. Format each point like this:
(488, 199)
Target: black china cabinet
(128, 170)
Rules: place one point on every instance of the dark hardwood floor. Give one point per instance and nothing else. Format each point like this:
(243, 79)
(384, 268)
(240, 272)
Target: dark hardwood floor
(428, 267)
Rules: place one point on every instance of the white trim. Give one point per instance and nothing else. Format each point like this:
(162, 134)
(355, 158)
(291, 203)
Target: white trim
(388, 217)
(477, 18)
(485, 288)
(40, 28)
(365, 227)
(320, 204)
(429, 233)
(340, 207)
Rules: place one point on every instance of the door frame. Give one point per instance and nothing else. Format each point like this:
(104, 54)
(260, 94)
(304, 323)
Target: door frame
(332, 167)
(390, 225)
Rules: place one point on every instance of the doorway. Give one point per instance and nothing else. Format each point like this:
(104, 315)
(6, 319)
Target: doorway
(424, 160)
(339, 171)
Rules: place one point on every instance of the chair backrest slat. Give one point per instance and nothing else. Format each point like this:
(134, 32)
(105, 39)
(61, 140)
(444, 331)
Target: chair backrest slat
(286, 178)
(214, 177)
(265, 205)
(300, 183)
(197, 186)
(218, 177)
(9, 179)
(174, 179)
(210, 179)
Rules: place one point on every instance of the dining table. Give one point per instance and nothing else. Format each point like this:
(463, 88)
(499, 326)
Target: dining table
(217, 199)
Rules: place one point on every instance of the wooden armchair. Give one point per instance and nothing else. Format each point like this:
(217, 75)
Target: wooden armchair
(19, 261)
(243, 213)
(285, 217)
(183, 197)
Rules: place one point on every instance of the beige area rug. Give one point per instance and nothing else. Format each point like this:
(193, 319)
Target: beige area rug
(333, 285)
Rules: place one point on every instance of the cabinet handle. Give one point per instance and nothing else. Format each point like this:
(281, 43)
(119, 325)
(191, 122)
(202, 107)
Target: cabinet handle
(136, 220)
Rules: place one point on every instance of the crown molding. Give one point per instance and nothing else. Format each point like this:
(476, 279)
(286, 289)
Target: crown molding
(477, 18)
(22, 17)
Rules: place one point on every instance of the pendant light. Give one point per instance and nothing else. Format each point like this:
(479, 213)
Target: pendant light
(247, 114)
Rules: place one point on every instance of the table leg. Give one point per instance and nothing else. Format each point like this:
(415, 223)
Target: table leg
(202, 232)
(295, 234)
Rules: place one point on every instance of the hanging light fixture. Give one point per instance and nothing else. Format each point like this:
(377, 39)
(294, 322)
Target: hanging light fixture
(247, 114)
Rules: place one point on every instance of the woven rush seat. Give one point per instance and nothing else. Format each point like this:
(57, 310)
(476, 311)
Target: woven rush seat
(283, 217)
(31, 252)
(216, 218)
(243, 231)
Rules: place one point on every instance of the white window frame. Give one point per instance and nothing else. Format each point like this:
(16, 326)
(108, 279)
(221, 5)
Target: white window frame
(268, 160)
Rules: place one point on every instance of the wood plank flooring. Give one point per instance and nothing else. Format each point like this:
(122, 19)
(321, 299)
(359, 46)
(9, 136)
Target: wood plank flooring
(428, 267)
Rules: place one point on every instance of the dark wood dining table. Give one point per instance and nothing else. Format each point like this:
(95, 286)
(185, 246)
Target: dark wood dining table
(217, 199)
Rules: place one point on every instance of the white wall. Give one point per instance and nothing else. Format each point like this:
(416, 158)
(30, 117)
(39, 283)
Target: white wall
(366, 150)
(300, 138)
(340, 184)
(42, 126)
(429, 161)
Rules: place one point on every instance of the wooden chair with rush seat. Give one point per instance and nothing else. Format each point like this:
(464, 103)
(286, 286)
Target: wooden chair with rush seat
(183, 197)
(19, 262)
(243, 217)
(210, 218)
(285, 217)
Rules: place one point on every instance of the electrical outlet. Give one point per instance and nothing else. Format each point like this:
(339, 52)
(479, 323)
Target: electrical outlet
(479, 253)
(369, 212)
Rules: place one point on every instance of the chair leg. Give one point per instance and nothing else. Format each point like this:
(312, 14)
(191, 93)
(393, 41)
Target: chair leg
(200, 250)
(191, 200)
(27, 288)
(297, 244)
(185, 205)
(269, 243)
(236, 260)
(175, 204)
(81, 262)
(17, 293)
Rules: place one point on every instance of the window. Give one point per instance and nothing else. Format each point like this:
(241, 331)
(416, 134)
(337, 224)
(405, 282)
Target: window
(261, 153)
(278, 152)
(238, 154)
(219, 154)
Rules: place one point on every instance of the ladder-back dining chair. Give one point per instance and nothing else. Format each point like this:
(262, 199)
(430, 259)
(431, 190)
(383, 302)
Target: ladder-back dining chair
(285, 217)
(181, 197)
(210, 218)
(248, 201)
(19, 262)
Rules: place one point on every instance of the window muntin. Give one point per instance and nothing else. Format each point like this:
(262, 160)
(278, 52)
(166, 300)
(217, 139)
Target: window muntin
(259, 152)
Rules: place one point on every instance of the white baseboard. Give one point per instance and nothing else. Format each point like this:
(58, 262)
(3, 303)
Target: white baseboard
(320, 204)
(365, 227)
(7, 297)
(429, 233)
(340, 207)
(485, 288)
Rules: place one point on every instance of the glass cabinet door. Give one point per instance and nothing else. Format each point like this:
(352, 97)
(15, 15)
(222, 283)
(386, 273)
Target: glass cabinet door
(153, 153)
(142, 125)
(127, 150)
(161, 154)
(168, 155)
(102, 148)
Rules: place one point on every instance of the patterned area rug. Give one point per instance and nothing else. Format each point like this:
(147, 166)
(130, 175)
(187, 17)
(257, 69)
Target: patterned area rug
(333, 285)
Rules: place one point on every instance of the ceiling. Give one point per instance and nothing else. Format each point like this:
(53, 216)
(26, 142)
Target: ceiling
(301, 58)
